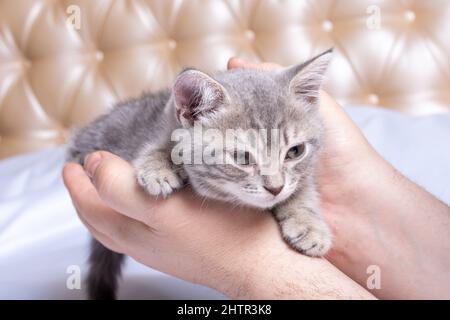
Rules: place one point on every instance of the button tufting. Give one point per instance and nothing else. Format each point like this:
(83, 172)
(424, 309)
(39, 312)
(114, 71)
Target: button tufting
(128, 42)
(99, 56)
(410, 16)
(172, 44)
(249, 34)
(374, 98)
(327, 26)
(25, 63)
(21, 64)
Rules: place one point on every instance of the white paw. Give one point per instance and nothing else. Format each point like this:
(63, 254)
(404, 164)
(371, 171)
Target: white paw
(162, 181)
(309, 236)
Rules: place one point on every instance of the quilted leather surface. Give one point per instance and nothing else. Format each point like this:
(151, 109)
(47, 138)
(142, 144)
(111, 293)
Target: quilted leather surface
(64, 62)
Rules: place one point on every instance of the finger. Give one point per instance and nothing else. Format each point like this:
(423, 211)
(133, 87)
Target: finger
(234, 63)
(115, 182)
(239, 63)
(94, 212)
(335, 118)
(102, 238)
(330, 110)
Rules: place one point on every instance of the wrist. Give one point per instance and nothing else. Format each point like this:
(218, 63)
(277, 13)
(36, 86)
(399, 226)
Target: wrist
(236, 273)
(386, 225)
(357, 220)
(270, 269)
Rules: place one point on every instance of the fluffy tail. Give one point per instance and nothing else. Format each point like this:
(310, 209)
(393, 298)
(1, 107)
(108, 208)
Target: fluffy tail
(104, 272)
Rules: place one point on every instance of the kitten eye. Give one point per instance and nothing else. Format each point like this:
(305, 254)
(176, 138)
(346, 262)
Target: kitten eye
(242, 158)
(296, 151)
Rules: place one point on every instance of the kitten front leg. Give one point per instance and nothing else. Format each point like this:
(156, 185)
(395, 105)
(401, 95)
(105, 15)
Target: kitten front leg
(302, 225)
(156, 173)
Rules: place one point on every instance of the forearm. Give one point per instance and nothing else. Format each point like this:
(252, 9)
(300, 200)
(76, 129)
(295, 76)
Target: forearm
(400, 228)
(272, 270)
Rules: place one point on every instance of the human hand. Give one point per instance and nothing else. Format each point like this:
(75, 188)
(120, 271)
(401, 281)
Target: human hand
(178, 236)
(239, 252)
(360, 199)
(346, 164)
(379, 218)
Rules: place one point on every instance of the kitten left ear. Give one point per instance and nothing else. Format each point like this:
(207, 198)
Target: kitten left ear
(197, 97)
(307, 78)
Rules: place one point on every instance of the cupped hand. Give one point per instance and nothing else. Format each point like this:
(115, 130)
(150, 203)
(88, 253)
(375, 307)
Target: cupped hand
(179, 236)
(234, 250)
(347, 161)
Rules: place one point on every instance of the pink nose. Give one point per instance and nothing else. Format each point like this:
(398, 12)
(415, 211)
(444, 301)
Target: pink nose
(274, 190)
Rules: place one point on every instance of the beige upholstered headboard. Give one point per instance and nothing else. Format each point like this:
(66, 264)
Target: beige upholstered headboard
(64, 62)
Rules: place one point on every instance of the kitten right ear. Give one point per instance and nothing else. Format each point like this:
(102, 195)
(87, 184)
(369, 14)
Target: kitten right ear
(306, 78)
(197, 97)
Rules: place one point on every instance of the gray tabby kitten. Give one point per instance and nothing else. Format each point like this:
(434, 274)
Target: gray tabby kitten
(283, 101)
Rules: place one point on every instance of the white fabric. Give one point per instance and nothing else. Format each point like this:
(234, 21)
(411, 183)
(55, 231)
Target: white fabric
(40, 235)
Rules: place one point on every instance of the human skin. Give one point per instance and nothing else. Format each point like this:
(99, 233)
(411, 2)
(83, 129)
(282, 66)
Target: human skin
(240, 252)
(378, 217)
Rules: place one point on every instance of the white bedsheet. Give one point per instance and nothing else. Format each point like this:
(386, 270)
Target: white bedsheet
(40, 235)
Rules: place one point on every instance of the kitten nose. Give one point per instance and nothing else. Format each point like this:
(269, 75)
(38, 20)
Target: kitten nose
(274, 190)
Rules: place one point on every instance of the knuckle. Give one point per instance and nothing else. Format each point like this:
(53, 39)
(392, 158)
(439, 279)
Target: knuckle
(105, 178)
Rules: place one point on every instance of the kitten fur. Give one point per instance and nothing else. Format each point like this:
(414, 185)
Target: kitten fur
(140, 131)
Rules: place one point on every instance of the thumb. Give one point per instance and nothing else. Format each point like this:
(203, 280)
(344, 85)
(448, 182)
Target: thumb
(115, 181)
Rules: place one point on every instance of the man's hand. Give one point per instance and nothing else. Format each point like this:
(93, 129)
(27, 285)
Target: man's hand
(236, 251)
(240, 252)
(378, 217)
(182, 236)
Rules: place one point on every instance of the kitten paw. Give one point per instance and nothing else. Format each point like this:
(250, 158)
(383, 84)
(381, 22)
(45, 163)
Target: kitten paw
(308, 236)
(162, 181)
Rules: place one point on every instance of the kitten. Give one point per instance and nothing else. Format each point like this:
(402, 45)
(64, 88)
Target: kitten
(257, 172)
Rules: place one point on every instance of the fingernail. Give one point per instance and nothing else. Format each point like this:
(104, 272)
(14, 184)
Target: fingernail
(91, 163)
(233, 62)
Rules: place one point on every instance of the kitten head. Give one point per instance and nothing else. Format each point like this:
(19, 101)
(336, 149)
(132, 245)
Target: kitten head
(253, 135)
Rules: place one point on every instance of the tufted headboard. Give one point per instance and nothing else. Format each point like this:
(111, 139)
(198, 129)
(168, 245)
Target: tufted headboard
(64, 62)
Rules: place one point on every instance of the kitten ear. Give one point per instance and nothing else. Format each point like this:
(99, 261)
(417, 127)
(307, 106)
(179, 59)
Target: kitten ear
(197, 97)
(306, 78)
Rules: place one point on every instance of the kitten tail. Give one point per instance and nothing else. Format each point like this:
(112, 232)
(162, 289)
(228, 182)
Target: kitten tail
(104, 272)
